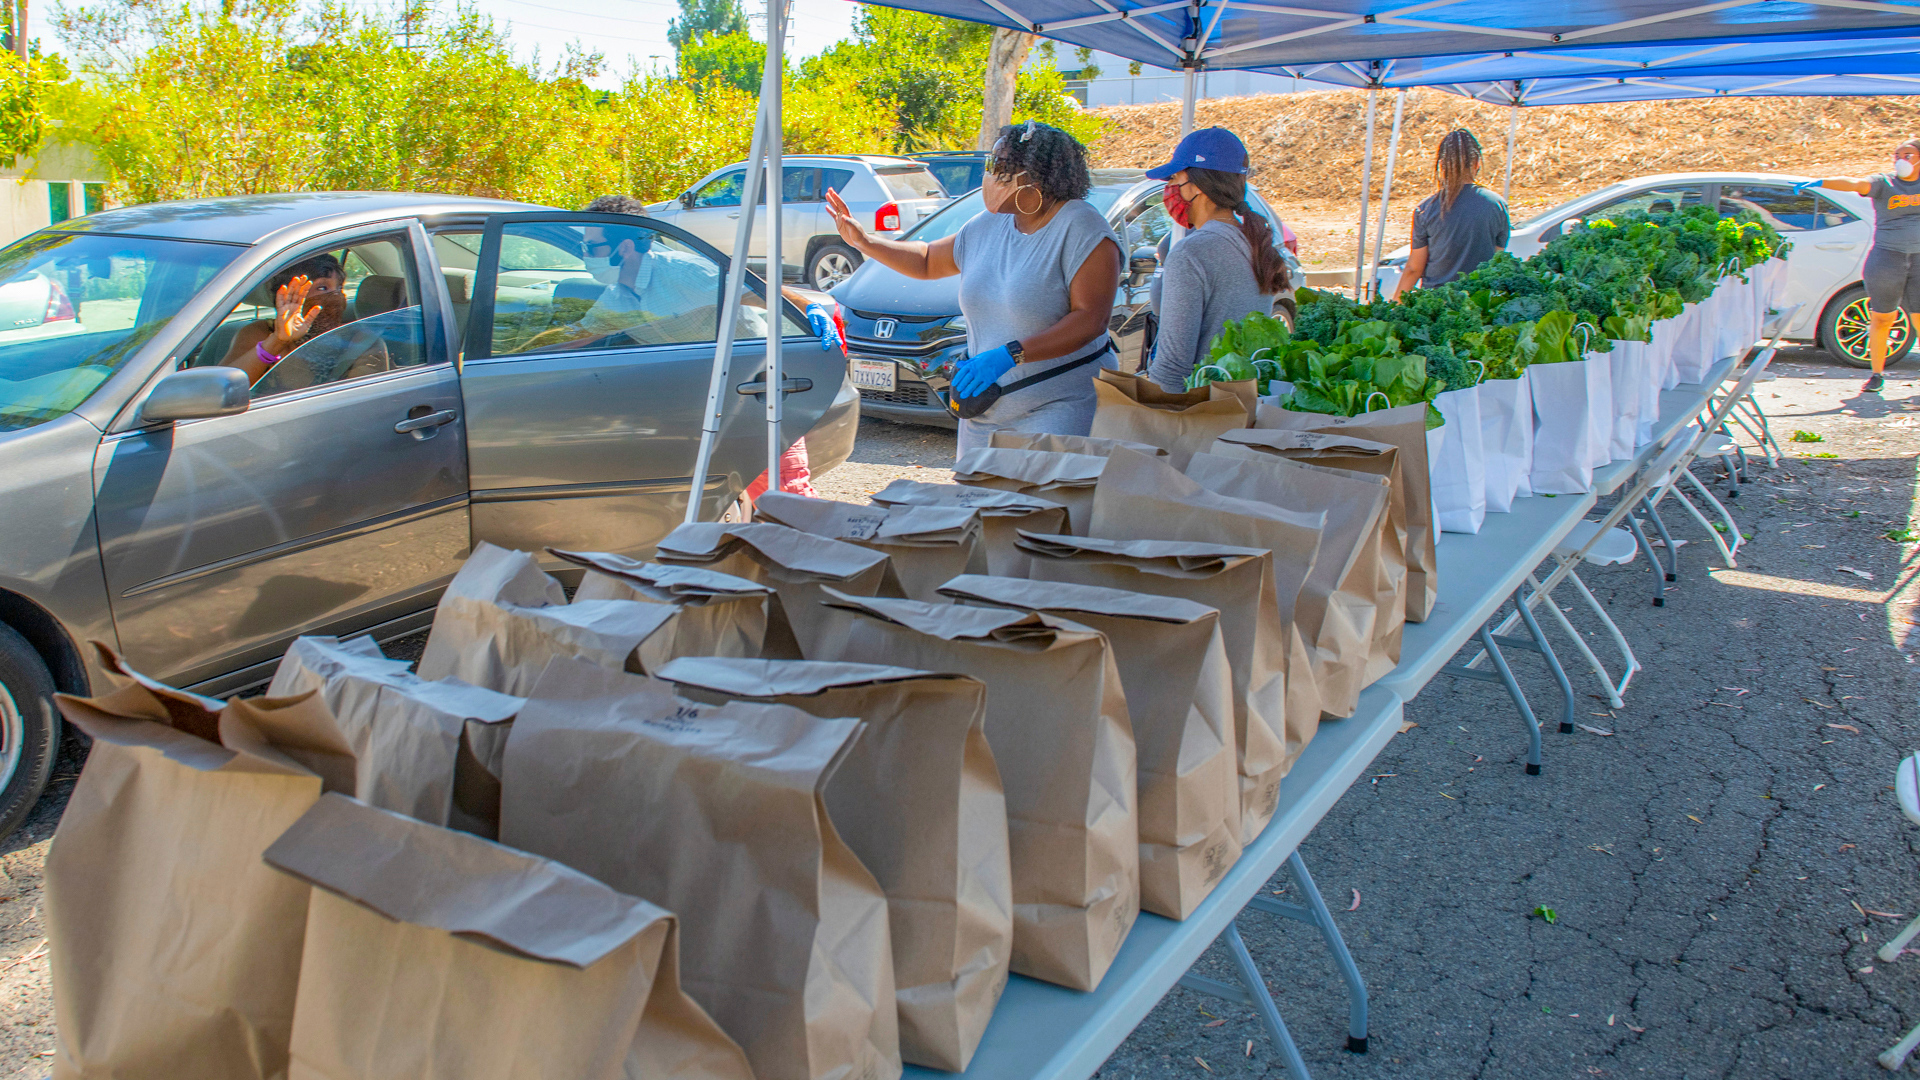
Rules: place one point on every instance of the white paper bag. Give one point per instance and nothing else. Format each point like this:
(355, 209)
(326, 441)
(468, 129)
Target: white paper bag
(1599, 408)
(1506, 439)
(1563, 431)
(1693, 346)
(1458, 463)
(1628, 375)
(1663, 336)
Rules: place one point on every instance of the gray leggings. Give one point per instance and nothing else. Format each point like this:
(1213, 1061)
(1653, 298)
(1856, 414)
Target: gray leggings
(1893, 280)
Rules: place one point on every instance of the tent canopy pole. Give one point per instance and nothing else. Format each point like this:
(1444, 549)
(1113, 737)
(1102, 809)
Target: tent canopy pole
(776, 256)
(1513, 125)
(1188, 93)
(1366, 195)
(729, 314)
(1386, 189)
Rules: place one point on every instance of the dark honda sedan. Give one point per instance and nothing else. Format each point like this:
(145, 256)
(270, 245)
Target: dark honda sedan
(900, 330)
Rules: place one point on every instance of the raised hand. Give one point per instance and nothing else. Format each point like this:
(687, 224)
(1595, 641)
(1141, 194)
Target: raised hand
(291, 324)
(850, 230)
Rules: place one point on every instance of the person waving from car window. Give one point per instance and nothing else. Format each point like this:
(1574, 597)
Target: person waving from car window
(1037, 272)
(1892, 271)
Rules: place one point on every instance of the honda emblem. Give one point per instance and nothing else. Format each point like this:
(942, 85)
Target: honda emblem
(884, 328)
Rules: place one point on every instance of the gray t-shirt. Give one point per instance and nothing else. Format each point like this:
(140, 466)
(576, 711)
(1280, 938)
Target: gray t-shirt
(1460, 237)
(1014, 285)
(1896, 213)
(1207, 281)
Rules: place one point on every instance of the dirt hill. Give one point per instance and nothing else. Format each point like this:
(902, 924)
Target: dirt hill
(1307, 148)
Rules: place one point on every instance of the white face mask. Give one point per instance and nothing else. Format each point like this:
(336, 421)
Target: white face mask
(1904, 169)
(602, 269)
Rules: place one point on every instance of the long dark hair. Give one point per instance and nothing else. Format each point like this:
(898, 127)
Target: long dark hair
(1228, 191)
(1455, 163)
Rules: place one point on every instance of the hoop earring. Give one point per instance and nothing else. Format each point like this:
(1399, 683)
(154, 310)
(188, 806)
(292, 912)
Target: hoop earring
(1035, 210)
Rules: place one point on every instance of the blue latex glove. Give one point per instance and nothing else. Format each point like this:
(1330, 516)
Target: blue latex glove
(821, 320)
(1804, 185)
(976, 373)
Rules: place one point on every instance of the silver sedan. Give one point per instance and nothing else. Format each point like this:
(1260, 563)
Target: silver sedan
(461, 370)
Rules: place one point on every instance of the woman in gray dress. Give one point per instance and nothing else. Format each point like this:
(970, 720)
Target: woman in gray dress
(1038, 273)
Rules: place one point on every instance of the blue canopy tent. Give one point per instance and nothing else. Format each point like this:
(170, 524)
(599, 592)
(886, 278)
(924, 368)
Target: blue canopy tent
(1489, 41)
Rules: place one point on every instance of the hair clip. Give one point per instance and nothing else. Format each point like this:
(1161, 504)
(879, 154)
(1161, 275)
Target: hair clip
(1029, 132)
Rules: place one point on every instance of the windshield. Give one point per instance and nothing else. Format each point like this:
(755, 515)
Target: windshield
(75, 306)
(1563, 208)
(911, 182)
(961, 210)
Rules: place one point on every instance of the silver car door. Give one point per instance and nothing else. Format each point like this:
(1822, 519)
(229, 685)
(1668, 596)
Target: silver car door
(337, 502)
(585, 381)
(714, 215)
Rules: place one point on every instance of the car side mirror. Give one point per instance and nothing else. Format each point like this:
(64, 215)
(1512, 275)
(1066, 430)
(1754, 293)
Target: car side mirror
(686, 200)
(197, 393)
(1144, 264)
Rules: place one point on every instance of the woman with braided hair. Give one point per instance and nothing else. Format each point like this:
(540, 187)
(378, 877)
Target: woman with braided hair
(1226, 268)
(1460, 225)
(1038, 271)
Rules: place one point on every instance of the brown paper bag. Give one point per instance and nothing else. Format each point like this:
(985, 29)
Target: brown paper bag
(796, 564)
(716, 812)
(918, 799)
(1138, 387)
(720, 615)
(431, 955)
(482, 636)
(1009, 439)
(1132, 408)
(1336, 609)
(1141, 498)
(1405, 429)
(1366, 458)
(925, 545)
(1002, 515)
(1173, 665)
(411, 739)
(1232, 580)
(1057, 722)
(1067, 479)
(175, 950)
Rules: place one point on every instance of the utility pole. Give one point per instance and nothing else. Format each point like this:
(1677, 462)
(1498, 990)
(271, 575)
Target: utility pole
(20, 32)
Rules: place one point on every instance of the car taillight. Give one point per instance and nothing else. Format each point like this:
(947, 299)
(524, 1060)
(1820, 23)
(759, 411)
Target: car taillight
(59, 308)
(887, 218)
(1290, 241)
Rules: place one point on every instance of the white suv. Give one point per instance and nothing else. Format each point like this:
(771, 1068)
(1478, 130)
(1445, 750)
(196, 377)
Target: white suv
(889, 194)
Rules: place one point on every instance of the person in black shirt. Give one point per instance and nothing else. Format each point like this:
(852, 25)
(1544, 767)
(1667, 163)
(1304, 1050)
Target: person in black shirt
(1460, 225)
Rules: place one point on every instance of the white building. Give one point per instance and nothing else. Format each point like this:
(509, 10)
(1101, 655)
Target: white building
(63, 181)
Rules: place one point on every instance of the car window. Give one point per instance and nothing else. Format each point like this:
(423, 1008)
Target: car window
(1833, 214)
(723, 190)
(957, 177)
(566, 287)
(1776, 204)
(834, 180)
(1660, 200)
(365, 312)
(800, 184)
(1146, 223)
(910, 182)
(75, 306)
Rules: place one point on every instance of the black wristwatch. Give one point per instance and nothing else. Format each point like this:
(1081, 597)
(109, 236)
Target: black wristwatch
(1014, 350)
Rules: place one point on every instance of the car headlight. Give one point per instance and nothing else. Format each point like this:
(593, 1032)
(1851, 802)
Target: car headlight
(957, 324)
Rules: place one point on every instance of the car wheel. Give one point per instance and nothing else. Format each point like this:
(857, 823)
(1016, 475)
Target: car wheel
(1286, 310)
(29, 729)
(831, 265)
(1843, 330)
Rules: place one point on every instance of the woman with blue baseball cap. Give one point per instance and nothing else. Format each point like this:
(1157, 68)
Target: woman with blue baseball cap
(1227, 266)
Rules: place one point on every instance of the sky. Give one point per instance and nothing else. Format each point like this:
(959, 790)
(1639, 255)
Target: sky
(631, 33)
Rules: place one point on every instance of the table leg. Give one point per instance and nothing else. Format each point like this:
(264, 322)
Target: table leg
(1553, 661)
(1316, 915)
(1504, 675)
(1252, 991)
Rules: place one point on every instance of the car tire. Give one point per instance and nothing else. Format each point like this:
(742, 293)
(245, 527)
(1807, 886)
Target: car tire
(1287, 310)
(1843, 330)
(831, 264)
(29, 729)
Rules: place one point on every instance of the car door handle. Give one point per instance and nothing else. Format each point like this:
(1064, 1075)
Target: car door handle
(758, 387)
(736, 213)
(1836, 247)
(422, 423)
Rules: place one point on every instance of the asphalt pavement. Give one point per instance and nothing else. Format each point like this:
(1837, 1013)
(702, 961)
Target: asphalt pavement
(1721, 857)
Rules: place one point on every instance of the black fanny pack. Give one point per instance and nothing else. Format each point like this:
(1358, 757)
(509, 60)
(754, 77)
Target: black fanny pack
(971, 408)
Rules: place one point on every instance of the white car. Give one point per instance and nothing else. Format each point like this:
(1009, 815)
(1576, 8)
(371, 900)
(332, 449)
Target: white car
(889, 194)
(1830, 231)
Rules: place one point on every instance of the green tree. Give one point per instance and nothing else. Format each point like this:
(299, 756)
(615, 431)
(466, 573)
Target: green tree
(734, 59)
(699, 18)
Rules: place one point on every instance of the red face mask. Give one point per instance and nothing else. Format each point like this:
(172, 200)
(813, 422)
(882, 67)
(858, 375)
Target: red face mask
(1178, 207)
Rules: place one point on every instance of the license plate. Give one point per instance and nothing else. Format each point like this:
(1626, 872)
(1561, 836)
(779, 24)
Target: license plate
(874, 375)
